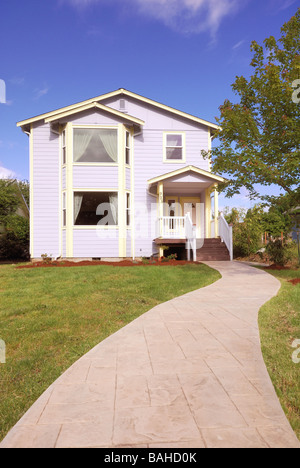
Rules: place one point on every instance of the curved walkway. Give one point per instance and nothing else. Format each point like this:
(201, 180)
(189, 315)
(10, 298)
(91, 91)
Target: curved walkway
(188, 373)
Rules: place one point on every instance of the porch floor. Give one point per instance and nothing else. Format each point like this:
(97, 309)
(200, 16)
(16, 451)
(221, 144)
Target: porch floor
(163, 241)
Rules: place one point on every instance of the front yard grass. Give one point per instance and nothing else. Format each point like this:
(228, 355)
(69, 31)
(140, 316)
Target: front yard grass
(279, 323)
(50, 317)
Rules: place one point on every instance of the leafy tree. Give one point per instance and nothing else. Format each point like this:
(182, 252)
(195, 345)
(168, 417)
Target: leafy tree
(9, 202)
(259, 135)
(14, 244)
(14, 235)
(276, 223)
(24, 189)
(247, 230)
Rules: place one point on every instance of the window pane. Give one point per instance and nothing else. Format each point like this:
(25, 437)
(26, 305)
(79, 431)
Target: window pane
(95, 145)
(174, 140)
(92, 208)
(64, 156)
(127, 158)
(174, 153)
(127, 139)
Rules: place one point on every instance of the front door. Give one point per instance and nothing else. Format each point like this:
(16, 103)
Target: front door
(192, 205)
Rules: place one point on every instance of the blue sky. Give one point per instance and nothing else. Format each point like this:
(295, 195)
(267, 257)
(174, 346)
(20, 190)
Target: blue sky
(183, 53)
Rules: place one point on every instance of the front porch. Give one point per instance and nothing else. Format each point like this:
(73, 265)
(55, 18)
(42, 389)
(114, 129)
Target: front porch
(187, 213)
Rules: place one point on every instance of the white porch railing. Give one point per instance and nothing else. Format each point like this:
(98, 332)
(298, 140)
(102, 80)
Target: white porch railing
(179, 227)
(172, 227)
(225, 232)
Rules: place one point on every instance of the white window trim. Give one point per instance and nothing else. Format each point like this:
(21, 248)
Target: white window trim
(174, 161)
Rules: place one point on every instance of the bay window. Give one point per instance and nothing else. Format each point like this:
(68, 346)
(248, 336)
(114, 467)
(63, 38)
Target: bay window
(95, 145)
(95, 208)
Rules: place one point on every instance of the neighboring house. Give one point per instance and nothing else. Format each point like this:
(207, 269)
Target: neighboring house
(119, 176)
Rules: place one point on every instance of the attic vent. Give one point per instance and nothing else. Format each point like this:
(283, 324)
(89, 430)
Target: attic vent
(122, 105)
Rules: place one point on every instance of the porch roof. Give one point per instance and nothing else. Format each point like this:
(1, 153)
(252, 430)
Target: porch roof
(188, 176)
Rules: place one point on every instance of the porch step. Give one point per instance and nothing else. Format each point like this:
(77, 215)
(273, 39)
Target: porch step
(213, 250)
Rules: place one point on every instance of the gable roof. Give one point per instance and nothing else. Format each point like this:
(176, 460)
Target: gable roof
(74, 108)
(194, 169)
(94, 105)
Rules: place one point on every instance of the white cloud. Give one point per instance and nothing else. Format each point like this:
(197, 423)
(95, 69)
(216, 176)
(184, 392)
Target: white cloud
(242, 200)
(185, 16)
(17, 80)
(238, 45)
(279, 5)
(39, 92)
(6, 173)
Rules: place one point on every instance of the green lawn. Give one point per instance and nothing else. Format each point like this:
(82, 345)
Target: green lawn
(49, 317)
(279, 323)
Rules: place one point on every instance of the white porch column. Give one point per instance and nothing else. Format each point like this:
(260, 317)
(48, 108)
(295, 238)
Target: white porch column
(216, 209)
(207, 213)
(160, 193)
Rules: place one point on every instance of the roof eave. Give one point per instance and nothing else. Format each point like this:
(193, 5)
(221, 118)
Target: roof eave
(194, 169)
(117, 92)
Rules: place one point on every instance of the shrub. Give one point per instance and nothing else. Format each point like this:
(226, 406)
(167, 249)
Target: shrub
(14, 243)
(278, 252)
(247, 231)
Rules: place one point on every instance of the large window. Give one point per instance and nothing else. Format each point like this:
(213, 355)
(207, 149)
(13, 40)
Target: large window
(95, 208)
(174, 147)
(95, 145)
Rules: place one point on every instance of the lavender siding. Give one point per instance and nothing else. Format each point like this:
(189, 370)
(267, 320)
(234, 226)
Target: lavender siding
(63, 178)
(153, 117)
(46, 190)
(92, 243)
(128, 243)
(128, 178)
(94, 118)
(64, 250)
(95, 177)
(148, 159)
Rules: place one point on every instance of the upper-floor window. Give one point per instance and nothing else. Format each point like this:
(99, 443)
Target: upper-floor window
(64, 147)
(127, 149)
(174, 147)
(95, 145)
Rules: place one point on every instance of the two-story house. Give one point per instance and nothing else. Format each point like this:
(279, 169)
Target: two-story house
(119, 176)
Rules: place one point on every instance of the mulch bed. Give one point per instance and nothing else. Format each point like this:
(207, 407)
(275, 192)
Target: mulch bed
(295, 281)
(277, 267)
(123, 263)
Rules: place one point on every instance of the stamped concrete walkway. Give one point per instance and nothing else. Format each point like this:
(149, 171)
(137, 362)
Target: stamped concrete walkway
(188, 373)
